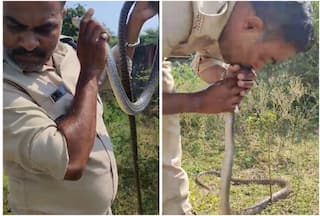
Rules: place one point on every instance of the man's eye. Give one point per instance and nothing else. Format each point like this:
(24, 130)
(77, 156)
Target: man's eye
(14, 28)
(45, 30)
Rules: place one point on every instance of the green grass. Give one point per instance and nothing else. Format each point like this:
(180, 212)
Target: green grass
(117, 124)
(295, 164)
(6, 209)
(275, 128)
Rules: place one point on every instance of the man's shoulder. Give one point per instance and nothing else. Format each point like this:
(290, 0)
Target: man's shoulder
(68, 41)
(212, 8)
(65, 47)
(65, 55)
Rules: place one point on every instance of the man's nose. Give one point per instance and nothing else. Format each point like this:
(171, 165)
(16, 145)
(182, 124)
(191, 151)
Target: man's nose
(29, 41)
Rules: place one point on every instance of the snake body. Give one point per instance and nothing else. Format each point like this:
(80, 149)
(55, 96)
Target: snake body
(119, 88)
(129, 107)
(227, 164)
(124, 96)
(226, 179)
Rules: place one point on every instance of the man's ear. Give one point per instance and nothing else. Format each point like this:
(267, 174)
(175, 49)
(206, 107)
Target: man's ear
(254, 23)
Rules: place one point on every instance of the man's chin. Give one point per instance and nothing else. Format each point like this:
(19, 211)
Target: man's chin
(30, 68)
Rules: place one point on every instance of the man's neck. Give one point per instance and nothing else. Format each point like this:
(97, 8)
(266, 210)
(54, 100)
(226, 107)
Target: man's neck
(229, 40)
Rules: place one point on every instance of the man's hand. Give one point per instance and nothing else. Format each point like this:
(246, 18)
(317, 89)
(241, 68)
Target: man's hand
(79, 125)
(223, 96)
(91, 48)
(143, 11)
(229, 92)
(246, 78)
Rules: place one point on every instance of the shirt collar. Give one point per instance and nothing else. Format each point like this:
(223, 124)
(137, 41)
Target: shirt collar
(205, 19)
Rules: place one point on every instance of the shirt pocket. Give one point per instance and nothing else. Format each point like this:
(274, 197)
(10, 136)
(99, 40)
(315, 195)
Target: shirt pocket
(54, 99)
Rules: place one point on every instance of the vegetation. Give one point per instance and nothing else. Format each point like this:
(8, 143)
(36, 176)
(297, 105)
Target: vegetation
(271, 130)
(148, 138)
(67, 27)
(70, 30)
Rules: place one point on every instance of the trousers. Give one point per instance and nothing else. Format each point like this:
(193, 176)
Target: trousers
(175, 180)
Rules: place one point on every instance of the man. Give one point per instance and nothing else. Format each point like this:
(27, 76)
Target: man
(57, 152)
(246, 36)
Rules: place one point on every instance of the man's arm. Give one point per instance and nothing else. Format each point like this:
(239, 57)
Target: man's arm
(79, 125)
(221, 97)
(140, 14)
(179, 103)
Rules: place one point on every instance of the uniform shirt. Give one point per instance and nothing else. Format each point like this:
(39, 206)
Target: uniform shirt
(200, 26)
(35, 151)
(187, 27)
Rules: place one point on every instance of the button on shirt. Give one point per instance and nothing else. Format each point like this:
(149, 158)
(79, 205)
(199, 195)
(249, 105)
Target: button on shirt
(35, 152)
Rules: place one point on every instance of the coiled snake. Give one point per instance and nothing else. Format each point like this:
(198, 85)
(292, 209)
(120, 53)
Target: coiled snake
(226, 179)
(120, 89)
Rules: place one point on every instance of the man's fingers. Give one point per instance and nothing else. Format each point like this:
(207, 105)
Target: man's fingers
(246, 76)
(96, 34)
(244, 92)
(84, 21)
(236, 100)
(89, 29)
(233, 68)
(245, 84)
(230, 82)
(88, 15)
(236, 90)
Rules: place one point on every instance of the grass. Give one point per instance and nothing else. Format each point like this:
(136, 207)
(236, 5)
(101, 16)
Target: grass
(295, 165)
(148, 138)
(275, 128)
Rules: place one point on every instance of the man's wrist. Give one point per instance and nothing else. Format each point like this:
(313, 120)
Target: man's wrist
(88, 80)
(137, 19)
(196, 100)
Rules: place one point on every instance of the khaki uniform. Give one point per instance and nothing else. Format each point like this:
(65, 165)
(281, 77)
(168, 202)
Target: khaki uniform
(35, 152)
(187, 27)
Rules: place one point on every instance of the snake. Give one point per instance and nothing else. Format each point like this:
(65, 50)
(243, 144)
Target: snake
(119, 87)
(226, 175)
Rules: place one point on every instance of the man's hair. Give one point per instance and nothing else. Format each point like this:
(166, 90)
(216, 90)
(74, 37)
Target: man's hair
(292, 21)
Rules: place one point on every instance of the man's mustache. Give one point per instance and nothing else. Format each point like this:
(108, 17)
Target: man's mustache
(37, 52)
